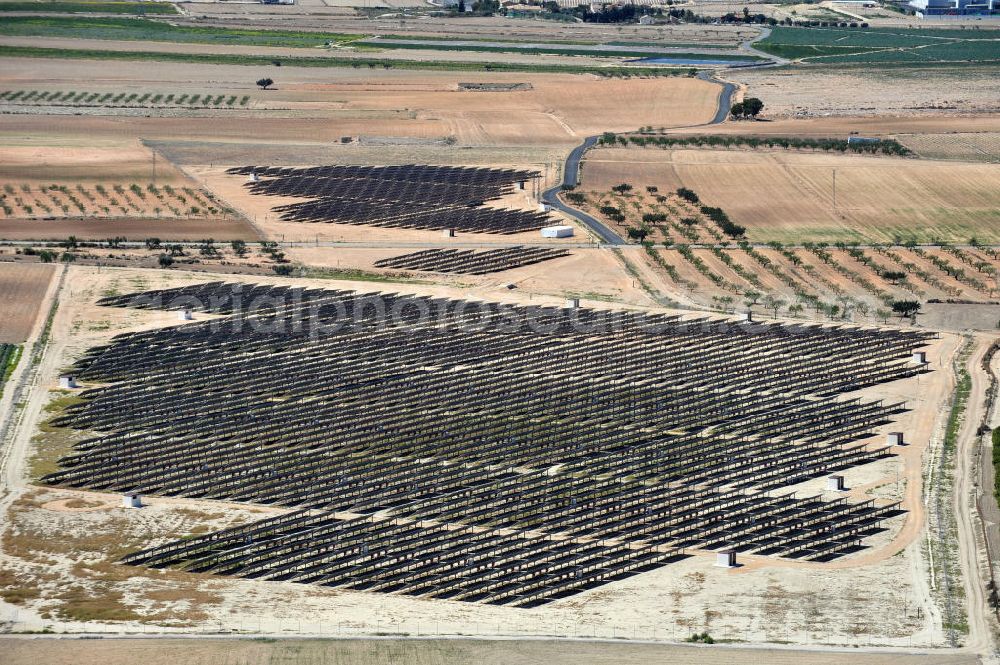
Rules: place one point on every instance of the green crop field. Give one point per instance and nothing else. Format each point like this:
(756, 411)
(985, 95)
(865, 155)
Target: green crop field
(883, 46)
(137, 29)
(258, 60)
(90, 7)
(557, 50)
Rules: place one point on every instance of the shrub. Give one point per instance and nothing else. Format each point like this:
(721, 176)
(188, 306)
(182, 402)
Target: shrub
(719, 216)
(906, 307)
(688, 195)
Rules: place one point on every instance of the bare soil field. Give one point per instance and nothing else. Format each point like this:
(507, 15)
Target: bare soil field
(231, 190)
(788, 196)
(945, 316)
(843, 126)
(100, 192)
(428, 652)
(559, 108)
(964, 146)
(133, 229)
(874, 91)
(593, 275)
(99, 161)
(491, 27)
(278, 52)
(22, 289)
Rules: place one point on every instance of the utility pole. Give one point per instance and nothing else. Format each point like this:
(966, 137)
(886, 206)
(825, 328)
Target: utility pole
(154, 168)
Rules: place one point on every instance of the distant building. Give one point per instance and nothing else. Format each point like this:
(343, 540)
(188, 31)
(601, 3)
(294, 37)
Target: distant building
(954, 7)
(647, 20)
(862, 139)
(277, 2)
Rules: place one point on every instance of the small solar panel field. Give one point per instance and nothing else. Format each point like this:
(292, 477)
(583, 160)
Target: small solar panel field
(471, 262)
(410, 196)
(481, 452)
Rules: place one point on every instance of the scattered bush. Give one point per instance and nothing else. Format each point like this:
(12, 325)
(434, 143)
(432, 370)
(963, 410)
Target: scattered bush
(688, 195)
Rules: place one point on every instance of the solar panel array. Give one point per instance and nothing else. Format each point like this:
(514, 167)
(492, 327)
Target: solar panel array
(411, 196)
(494, 453)
(471, 262)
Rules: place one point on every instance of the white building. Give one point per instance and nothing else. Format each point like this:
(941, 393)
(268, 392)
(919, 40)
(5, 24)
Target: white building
(954, 7)
(557, 232)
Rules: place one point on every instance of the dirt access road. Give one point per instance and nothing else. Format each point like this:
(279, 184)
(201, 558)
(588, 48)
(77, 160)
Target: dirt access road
(432, 652)
(980, 620)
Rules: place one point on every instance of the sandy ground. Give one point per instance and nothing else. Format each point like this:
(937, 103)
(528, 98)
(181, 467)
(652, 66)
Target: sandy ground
(35, 162)
(558, 108)
(766, 600)
(788, 196)
(43, 214)
(138, 229)
(432, 652)
(468, 26)
(593, 275)
(971, 146)
(835, 126)
(258, 209)
(804, 92)
(21, 293)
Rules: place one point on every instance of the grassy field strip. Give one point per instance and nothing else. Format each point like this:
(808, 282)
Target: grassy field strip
(9, 355)
(138, 29)
(257, 60)
(162, 8)
(540, 50)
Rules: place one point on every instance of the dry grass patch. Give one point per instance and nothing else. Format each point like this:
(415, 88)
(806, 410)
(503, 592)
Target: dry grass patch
(64, 564)
(52, 443)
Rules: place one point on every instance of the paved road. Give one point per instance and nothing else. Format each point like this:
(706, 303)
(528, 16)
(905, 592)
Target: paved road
(571, 177)
(571, 173)
(725, 97)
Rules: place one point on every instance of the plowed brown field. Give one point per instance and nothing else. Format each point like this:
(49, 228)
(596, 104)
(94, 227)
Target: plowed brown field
(789, 196)
(22, 289)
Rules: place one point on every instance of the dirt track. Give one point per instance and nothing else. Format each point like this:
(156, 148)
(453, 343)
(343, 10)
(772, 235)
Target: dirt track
(429, 652)
(980, 619)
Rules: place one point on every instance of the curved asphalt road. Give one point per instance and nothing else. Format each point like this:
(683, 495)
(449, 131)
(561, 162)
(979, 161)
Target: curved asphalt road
(571, 173)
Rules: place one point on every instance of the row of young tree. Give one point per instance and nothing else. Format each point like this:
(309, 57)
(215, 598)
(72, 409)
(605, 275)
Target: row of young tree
(883, 147)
